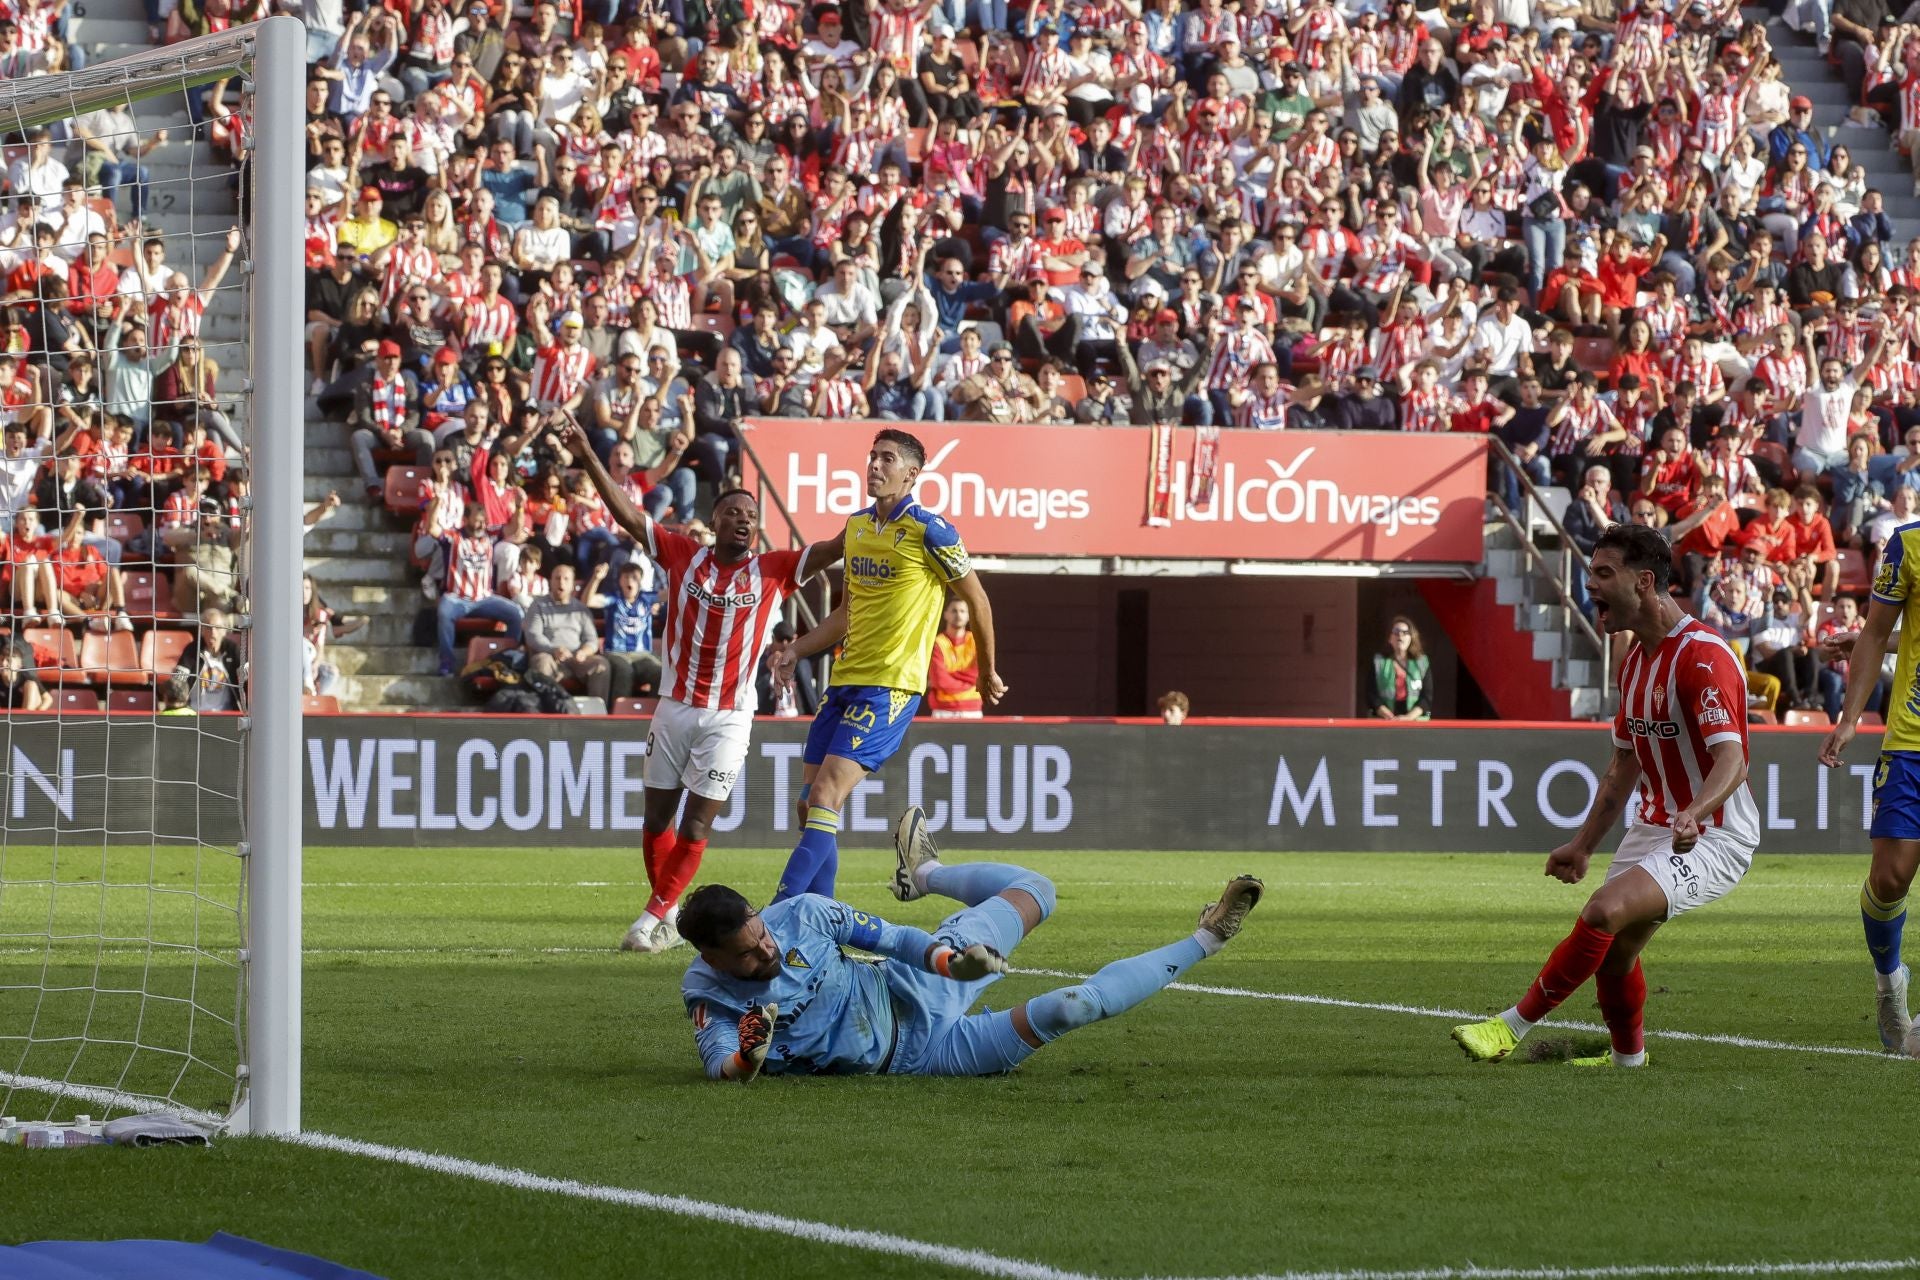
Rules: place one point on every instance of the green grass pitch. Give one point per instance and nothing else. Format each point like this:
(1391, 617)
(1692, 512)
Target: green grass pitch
(471, 1003)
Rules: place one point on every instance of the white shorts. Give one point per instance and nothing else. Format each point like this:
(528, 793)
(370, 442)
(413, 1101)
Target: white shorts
(1703, 874)
(695, 748)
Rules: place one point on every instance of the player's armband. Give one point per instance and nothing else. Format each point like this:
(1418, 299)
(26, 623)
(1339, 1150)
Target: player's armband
(863, 930)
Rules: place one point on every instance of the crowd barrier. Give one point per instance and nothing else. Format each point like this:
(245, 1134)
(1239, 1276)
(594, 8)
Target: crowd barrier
(448, 781)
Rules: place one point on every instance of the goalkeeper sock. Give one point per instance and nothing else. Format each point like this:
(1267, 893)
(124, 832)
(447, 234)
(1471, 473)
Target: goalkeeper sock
(971, 883)
(1576, 959)
(677, 870)
(1883, 922)
(1112, 991)
(1623, 1001)
(815, 859)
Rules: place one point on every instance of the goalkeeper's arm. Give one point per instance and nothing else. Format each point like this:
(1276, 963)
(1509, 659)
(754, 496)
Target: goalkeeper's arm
(912, 946)
(734, 1050)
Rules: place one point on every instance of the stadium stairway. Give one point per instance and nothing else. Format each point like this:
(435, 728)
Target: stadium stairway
(358, 557)
(1513, 635)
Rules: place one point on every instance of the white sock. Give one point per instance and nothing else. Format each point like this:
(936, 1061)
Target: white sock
(1885, 981)
(1210, 942)
(921, 872)
(646, 924)
(1629, 1059)
(1515, 1023)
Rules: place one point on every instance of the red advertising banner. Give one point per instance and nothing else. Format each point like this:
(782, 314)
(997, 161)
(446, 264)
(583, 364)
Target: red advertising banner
(1085, 491)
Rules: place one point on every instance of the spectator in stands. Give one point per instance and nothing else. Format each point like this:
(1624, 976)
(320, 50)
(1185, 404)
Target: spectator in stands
(85, 585)
(208, 575)
(1402, 683)
(562, 639)
(954, 668)
(792, 697)
(1174, 706)
(210, 675)
(627, 634)
(386, 418)
(469, 592)
(20, 689)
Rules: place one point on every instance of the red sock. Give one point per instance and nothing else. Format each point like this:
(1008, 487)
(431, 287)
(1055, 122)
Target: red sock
(1623, 998)
(677, 868)
(655, 846)
(1576, 959)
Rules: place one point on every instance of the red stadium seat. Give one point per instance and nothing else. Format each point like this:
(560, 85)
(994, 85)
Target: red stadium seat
(112, 659)
(634, 706)
(721, 326)
(160, 651)
(124, 526)
(149, 596)
(1073, 388)
(130, 700)
(466, 628)
(917, 145)
(1853, 572)
(1595, 355)
(320, 705)
(76, 701)
(1778, 456)
(53, 654)
(402, 495)
(481, 648)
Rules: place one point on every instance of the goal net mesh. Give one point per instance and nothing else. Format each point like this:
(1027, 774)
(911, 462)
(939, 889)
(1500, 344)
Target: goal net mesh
(125, 507)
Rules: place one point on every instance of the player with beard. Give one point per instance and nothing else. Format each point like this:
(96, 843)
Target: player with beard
(1681, 735)
(719, 603)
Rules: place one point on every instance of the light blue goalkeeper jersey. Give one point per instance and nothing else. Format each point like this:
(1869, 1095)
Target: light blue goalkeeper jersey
(836, 1012)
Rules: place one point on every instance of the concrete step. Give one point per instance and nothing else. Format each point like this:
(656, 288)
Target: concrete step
(1576, 673)
(1589, 705)
(355, 571)
(383, 660)
(367, 597)
(1547, 645)
(409, 692)
(380, 545)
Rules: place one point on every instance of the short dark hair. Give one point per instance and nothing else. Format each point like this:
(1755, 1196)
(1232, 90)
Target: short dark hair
(724, 494)
(713, 912)
(1642, 548)
(909, 444)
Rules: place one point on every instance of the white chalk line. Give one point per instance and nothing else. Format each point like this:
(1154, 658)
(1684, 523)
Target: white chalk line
(977, 1261)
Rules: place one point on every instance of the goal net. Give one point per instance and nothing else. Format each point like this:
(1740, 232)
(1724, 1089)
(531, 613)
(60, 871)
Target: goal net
(151, 660)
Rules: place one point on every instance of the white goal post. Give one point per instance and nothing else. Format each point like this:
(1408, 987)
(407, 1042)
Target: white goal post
(258, 1066)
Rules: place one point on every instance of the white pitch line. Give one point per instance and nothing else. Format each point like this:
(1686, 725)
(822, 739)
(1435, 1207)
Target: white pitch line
(112, 1099)
(1650, 1271)
(1421, 1011)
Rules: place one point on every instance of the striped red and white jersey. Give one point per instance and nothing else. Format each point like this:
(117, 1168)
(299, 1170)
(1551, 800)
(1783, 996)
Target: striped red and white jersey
(1847, 339)
(673, 296)
(839, 398)
(717, 618)
(1124, 223)
(1316, 34)
(591, 513)
(1082, 222)
(1339, 356)
(1428, 411)
(442, 509)
(323, 234)
(1235, 356)
(1019, 260)
(1635, 419)
(560, 373)
(180, 509)
(1310, 155)
(1263, 413)
(1758, 318)
(1910, 100)
(1400, 45)
(1201, 148)
(858, 150)
(896, 35)
(1703, 373)
(1048, 68)
(1668, 322)
(1717, 121)
(1578, 423)
(170, 321)
(1327, 248)
(1676, 702)
(1387, 257)
(1737, 470)
(469, 566)
(1784, 378)
(404, 267)
(489, 320)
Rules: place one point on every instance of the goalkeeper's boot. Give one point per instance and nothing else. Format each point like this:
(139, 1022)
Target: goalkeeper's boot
(1223, 919)
(913, 848)
(1487, 1041)
(1890, 1006)
(1607, 1059)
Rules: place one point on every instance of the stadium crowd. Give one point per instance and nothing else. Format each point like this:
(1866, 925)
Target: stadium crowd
(1609, 236)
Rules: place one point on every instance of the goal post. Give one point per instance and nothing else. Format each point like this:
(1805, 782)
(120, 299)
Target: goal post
(157, 967)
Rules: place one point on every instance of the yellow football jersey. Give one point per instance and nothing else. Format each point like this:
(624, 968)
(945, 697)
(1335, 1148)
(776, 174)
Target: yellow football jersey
(897, 576)
(1895, 583)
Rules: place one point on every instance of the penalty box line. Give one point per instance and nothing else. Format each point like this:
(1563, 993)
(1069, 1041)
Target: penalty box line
(976, 1261)
(1458, 1015)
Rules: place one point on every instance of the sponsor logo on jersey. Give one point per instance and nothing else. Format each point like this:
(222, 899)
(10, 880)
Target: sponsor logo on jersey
(1641, 727)
(1712, 710)
(743, 600)
(869, 567)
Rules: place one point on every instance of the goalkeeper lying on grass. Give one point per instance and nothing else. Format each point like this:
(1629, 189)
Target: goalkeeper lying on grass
(773, 991)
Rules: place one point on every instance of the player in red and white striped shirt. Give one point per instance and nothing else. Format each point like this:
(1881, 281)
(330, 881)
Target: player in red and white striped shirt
(1681, 735)
(562, 371)
(720, 605)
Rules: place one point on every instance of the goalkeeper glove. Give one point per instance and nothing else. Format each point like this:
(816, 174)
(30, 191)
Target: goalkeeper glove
(756, 1034)
(976, 962)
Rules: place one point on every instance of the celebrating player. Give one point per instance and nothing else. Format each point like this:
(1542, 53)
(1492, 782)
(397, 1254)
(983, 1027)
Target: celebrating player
(901, 558)
(1681, 734)
(1896, 782)
(773, 991)
(720, 603)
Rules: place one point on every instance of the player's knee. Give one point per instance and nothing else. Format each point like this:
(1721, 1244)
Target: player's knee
(1058, 1012)
(1040, 889)
(1889, 883)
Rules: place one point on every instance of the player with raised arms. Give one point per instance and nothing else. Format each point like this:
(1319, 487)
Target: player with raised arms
(773, 991)
(1895, 832)
(1680, 735)
(720, 603)
(901, 561)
